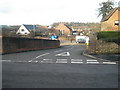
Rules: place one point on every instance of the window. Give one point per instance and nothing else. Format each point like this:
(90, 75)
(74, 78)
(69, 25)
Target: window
(116, 23)
(22, 29)
(61, 32)
(25, 33)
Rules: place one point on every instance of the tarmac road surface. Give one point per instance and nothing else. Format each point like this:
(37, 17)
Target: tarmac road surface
(63, 67)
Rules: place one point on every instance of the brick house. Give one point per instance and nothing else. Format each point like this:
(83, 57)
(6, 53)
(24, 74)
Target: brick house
(111, 21)
(63, 29)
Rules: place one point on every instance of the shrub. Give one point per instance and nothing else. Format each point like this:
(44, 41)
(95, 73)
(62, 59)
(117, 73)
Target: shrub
(102, 47)
(109, 36)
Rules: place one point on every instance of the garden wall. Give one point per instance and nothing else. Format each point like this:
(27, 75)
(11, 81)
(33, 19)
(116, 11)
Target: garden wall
(15, 44)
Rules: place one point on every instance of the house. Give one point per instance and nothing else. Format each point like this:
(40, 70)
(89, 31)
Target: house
(26, 29)
(63, 29)
(111, 21)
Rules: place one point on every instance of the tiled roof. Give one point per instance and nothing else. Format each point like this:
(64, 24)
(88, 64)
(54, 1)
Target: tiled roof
(30, 27)
(68, 27)
(110, 14)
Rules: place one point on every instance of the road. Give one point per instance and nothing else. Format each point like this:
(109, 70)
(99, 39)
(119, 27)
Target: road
(63, 67)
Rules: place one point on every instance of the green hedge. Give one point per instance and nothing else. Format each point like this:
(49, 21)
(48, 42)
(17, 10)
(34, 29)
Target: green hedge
(110, 36)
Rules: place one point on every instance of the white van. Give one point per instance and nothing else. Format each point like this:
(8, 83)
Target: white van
(80, 39)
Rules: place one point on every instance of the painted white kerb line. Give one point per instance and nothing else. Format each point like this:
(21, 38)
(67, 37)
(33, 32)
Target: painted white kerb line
(38, 57)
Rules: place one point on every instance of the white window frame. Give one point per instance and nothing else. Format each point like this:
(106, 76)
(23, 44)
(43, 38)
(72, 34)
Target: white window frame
(116, 22)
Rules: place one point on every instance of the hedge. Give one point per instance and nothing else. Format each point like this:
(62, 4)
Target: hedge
(109, 36)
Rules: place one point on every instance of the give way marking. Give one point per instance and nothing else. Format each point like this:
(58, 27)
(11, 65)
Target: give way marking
(63, 54)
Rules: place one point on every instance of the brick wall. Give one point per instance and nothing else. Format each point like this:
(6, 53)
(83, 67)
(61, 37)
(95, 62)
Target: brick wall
(12, 44)
(109, 24)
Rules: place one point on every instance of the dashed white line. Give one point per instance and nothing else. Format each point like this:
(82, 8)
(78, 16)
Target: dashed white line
(92, 60)
(109, 62)
(46, 59)
(29, 61)
(61, 61)
(5, 60)
(76, 62)
(20, 61)
(73, 61)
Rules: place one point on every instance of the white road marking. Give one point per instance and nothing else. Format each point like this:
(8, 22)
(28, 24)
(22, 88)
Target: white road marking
(38, 57)
(46, 59)
(19, 61)
(58, 51)
(109, 62)
(36, 61)
(91, 60)
(5, 60)
(29, 61)
(63, 54)
(61, 61)
(76, 62)
(42, 55)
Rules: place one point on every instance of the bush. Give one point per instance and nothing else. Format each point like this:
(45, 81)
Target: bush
(102, 47)
(109, 36)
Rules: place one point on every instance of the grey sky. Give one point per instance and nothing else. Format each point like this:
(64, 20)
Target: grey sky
(45, 12)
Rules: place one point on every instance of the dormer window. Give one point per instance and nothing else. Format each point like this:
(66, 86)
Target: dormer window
(116, 23)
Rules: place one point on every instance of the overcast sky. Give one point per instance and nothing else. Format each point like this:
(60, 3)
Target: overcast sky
(46, 12)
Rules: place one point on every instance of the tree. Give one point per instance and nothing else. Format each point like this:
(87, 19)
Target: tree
(105, 8)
